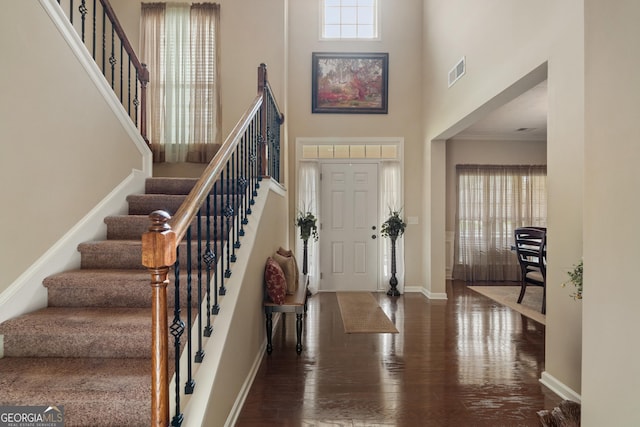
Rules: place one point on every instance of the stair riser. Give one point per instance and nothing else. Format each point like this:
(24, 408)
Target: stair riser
(76, 346)
(132, 227)
(184, 186)
(144, 204)
(135, 295)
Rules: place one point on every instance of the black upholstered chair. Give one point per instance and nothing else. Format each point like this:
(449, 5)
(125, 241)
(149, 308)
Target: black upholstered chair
(531, 249)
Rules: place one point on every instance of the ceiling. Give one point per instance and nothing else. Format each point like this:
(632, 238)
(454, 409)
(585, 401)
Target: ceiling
(524, 118)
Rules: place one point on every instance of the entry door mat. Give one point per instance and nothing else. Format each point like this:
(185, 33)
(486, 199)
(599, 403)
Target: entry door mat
(361, 314)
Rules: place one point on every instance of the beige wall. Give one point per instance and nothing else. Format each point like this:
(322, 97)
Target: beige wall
(481, 152)
(401, 38)
(610, 370)
(244, 342)
(62, 149)
(510, 48)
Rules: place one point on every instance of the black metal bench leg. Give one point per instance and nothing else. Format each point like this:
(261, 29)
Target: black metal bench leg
(298, 333)
(269, 316)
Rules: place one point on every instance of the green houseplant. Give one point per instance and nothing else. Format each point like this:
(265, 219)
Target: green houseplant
(575, 278)
(393, 228)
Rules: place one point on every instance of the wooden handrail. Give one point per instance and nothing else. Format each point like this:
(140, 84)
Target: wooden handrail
(142, 71)
(183, 216)
(160, 243)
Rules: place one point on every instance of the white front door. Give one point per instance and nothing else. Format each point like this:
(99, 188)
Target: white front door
(349, 230)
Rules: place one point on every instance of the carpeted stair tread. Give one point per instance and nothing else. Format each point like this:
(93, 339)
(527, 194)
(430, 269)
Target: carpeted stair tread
(94, 392)
(131, 227)
(79, 332)
(144, 204)
(111, 288)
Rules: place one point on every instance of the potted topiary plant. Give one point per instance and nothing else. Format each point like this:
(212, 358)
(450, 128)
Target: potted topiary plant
(308, 228)
(575, 278)
(393, 228)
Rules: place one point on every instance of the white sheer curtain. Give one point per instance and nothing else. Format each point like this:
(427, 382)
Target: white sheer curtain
(179, 45)
(390, 200)
(309, 200)
(153, 54)
(492, 202)
(177, 81)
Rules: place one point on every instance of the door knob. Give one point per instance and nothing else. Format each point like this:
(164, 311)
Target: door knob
(373, 228)
(373, 236)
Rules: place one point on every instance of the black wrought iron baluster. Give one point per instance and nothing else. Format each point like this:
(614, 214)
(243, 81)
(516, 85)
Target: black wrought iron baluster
(217, 253)
(209, 258)
(243, 179)
(189, 385)
(121, 64)
(228, 212)
(238, 193)
(234, 204)
(261, 142)
(243, 183)
(129, 86)
(223, 234)
(83, 14)
(93, 41)
(112, 57)
(71, 11)
(200, 352)
(251, 162)
(269, 151)
(104, 41)
(255, 146)
(177, 329)
(136, 102)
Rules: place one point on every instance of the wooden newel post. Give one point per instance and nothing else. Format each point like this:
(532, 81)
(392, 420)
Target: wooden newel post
(158, 255)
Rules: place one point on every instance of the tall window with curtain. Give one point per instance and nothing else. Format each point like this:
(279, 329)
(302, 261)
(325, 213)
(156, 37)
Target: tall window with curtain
(390, 200)
(309, 200)
(492, 202)
(179, 45)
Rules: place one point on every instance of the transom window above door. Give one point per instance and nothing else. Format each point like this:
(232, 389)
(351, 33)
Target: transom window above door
(349, 19)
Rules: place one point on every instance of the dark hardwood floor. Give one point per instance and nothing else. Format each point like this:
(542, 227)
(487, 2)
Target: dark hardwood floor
(466, 361)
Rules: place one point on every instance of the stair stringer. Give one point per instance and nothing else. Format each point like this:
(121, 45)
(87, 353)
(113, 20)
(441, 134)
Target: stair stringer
(26, 293)
(238, 338)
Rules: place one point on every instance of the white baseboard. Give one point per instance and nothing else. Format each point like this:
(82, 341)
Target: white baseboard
(434, 295)
(559, 388)
(425, 292)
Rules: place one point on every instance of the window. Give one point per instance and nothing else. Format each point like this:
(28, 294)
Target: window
(492, 202)
(349, 19)
(179, 44)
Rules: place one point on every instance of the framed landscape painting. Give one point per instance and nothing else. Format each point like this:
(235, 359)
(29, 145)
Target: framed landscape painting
(349, 83)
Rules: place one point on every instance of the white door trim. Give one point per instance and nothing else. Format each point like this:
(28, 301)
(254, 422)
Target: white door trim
(396, 145)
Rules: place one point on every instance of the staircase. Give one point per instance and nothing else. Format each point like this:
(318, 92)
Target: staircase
(90, 349)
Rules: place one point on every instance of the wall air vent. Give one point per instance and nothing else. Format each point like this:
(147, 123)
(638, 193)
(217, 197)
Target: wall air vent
(457, 71)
